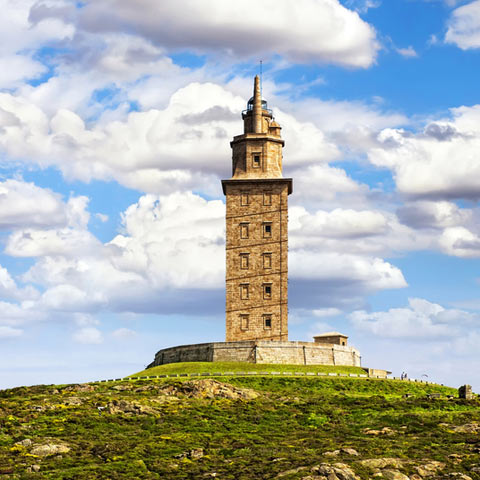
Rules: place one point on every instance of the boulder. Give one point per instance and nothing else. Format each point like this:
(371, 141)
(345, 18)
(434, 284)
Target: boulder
(208, 388)
(394, 475)
(430, 469)
(83, 387)
(25, 443)
(379, 463)
(467, 428)
(337, 471)
(49, 449)
(133, 408)
(383, 431)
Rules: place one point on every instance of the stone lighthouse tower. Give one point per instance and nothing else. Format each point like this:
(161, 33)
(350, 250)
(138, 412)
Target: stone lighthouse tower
(257, 229)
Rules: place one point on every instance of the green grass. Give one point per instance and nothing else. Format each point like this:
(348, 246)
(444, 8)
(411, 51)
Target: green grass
(213, 367)
(292, 423)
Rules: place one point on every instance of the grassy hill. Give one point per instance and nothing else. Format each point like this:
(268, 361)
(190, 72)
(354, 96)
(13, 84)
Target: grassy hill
(201, 367)
(257, 427)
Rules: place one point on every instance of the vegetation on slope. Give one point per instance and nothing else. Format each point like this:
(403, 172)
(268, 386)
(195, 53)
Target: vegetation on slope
(238, 428)
(212, 367)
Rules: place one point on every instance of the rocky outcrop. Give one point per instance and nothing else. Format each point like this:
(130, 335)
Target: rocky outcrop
(132, 408)
(49, 449)
(208, 388)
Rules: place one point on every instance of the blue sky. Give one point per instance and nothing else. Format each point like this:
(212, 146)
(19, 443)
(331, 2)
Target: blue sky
(115, 123)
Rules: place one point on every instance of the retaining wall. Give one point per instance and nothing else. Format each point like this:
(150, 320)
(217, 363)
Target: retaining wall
(297, 353)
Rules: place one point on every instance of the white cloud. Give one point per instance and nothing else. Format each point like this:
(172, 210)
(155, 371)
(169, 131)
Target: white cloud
(16, 68)
(461, 242)
(360, 274)
(338, 223)
(24, 204)
(429, 214)
(9, 288)
(88, 335)
(313, 30)
(185, 146)
(408, 52)
(449, 148)
(176, 241)
(19, 40)
(464, 26)
(421, 320)
(13, 314)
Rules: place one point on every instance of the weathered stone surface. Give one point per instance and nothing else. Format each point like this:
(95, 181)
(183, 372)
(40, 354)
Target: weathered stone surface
(194, 454)
(300, 353)
(375, 463)
(458, 476)
(122, 388)
(465, 392)
(49, 449)
(383, 431)
(430, 468)
(394, 475)
(25, 443)
(134, 408)
(208, 388)
(84, 387)
(467, 428)
(257, 232)
(347, 451)
(73, 401)
(336, 471)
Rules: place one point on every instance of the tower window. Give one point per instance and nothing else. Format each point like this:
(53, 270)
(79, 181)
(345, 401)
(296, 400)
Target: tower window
(267, 198)
(267, 322)
(267, 291)
(244, 199)
(244, 322)
(244, 261)
(244, 230)
(267, 260)
(256, 160)
(267, 230)
(244, 291)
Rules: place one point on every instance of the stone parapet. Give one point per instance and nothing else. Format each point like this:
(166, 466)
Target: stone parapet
(296, 353)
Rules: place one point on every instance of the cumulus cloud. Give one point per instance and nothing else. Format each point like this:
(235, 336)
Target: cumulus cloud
(169, 258)
(449, 148)
(19, 40)
(420, 320)
(320, 31)
(24, 204)
(464, 26)
(152, 150)
(430, 214)
(319, 278)
(339, 223)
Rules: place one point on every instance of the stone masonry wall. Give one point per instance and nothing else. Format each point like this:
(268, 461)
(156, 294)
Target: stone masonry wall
(297, 353)
(248, 270)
